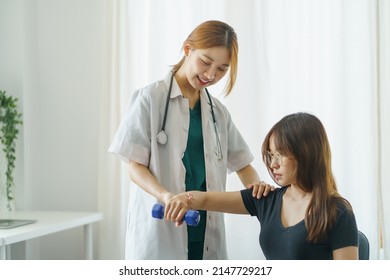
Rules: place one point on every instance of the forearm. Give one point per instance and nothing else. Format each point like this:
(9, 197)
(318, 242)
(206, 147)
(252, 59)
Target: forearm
(226, 202)
(248, 175)
(141, 175)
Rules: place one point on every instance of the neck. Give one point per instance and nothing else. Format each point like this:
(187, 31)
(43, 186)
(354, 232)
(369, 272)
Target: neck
(187, 90)
(298, 192)
(183, 83)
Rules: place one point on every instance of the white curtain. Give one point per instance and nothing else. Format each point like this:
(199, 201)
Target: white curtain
(383, 75)
(326, 57)
(113, 181)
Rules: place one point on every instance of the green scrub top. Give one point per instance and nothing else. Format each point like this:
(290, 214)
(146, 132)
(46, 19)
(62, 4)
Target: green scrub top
(194, 163)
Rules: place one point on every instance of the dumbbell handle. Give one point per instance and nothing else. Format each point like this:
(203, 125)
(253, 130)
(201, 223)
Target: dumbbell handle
(191, 217)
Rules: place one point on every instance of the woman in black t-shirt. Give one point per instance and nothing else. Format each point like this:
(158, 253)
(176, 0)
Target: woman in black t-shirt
(304, 219)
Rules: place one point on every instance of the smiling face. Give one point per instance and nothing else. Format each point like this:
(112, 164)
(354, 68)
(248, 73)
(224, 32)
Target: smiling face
(205, 67)
(283, 167)
(209, 38)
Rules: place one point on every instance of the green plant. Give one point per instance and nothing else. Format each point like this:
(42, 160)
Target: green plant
(10, 118)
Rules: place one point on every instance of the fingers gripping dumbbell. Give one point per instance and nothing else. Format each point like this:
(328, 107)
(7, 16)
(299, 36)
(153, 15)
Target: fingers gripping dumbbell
(191, 217)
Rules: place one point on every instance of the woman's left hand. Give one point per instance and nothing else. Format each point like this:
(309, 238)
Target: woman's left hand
(260, 188)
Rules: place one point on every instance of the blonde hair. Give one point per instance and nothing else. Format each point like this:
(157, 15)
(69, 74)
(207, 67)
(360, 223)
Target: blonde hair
(210, 34)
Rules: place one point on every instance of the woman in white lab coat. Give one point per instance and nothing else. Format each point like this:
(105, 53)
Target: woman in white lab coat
(176, 137)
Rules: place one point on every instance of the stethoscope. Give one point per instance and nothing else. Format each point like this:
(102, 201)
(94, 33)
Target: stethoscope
(162, 137)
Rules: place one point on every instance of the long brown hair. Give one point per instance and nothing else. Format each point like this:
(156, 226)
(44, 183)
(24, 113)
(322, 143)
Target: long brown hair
(210, 34)
(302, 137)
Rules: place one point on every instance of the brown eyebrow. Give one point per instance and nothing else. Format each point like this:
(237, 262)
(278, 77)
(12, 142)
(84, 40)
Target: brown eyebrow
(205, 55)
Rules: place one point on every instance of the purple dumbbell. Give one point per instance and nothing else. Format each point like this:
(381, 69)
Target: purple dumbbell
(191, 217)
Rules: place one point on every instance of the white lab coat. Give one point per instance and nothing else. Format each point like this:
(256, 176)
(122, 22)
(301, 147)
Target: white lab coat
(135, 139)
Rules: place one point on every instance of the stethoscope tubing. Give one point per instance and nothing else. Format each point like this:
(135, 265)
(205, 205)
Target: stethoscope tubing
(167, 103)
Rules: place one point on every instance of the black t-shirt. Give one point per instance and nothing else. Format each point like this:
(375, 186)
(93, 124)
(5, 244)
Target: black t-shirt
(289, 243)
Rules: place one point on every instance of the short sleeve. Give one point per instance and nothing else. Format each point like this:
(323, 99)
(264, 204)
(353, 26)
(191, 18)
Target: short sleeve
(132, 139)
(344, 232)
(249, 202)
(239, 154)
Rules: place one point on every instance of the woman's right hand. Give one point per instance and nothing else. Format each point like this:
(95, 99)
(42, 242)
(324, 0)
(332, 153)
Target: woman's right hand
(176, 208)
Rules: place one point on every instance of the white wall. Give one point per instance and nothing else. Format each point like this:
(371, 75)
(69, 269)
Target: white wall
(52, 59)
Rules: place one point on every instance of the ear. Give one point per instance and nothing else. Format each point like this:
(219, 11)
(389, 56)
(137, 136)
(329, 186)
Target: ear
(186, 49)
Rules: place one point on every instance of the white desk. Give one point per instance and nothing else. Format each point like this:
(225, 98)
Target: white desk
(48, 223)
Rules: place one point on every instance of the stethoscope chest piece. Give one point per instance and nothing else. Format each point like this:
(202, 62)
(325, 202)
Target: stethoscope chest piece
(162, 137)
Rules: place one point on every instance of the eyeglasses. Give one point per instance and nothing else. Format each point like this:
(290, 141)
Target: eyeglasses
(278, 158)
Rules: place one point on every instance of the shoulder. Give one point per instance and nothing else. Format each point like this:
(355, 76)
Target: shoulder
(343, 206)
(272, 197)
(153, 88)
(150, 93)
(345, 216)
(217, 103)
(278, 192)
(344, 231)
